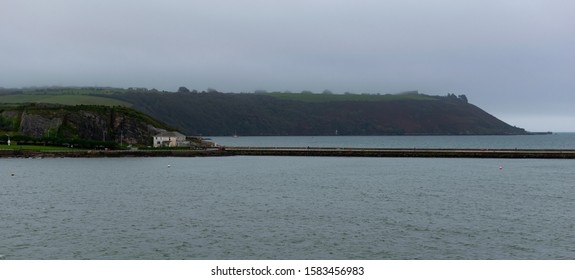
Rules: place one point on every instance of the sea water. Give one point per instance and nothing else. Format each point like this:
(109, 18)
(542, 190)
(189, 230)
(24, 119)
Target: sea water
(287, 208)
(546, 141)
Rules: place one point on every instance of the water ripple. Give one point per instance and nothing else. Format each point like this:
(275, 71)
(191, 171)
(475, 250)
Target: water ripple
(287, 208)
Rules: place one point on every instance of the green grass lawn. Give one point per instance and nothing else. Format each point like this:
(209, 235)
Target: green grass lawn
(65, 99)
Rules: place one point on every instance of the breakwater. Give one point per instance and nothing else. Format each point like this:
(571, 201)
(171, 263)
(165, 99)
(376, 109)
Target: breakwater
(304, 151)
(370, 152)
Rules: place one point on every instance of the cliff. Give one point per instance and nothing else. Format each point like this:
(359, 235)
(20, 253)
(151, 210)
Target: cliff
(88, 122)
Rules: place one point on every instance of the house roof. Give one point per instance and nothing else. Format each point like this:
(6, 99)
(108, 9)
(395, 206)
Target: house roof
(170, 134)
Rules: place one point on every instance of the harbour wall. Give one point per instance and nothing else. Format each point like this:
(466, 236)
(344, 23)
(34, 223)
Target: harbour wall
(304, 151)
(437, 153)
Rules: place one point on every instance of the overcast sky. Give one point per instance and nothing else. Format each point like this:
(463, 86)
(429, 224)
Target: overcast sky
(513, 58)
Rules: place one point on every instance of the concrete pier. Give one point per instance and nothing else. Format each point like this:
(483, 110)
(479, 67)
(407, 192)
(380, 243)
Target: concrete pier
(303, 151)
(371, 152)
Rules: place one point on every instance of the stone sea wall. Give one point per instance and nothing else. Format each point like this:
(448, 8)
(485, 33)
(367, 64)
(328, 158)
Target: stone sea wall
(320, 152)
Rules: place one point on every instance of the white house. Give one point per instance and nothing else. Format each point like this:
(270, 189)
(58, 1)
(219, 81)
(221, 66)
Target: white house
(170, 139)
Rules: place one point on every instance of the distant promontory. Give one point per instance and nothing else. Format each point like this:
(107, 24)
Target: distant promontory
(308, 114)
(213, 113)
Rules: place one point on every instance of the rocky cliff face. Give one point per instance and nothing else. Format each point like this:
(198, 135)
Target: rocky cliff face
(36, 125)
(118, 124)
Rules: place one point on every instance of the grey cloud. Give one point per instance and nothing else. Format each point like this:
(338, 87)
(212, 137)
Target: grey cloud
(512, 58)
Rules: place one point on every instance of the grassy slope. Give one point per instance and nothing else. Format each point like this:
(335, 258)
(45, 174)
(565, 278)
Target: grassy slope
(65, 99)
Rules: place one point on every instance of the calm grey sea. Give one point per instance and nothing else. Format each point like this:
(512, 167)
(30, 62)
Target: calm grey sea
(287, 208)
(551, 141)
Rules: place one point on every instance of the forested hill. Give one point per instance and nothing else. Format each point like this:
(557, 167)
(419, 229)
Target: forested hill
(220, 114)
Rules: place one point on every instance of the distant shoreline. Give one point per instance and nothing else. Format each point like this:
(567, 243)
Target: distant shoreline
(301, 151)
(107, 153)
